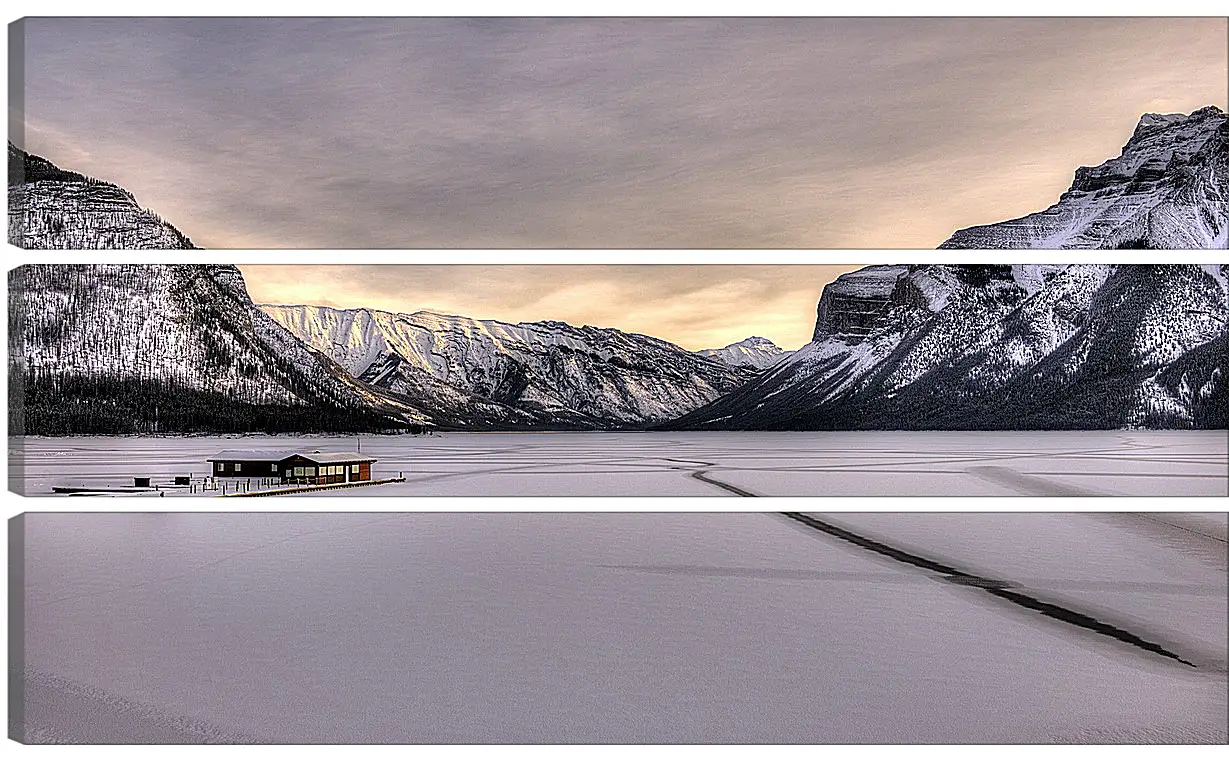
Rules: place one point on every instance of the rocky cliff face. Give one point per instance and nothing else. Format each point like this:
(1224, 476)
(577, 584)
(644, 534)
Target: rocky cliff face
(1169, 188)
(1002, 347)
(851, 305)
(51, 208)
(469, 373)
(110, 348)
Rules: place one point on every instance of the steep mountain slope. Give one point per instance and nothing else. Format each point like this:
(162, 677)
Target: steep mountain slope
(165, 348)
(754, 353)
(1169, 188)
(545, 373)
(1000, 347)
(50, 208)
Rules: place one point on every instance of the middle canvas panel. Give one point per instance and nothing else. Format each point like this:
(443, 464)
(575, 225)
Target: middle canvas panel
(617, 379)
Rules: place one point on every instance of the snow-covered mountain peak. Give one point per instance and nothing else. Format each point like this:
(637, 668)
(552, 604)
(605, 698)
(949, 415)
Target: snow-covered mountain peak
(1151, 122)
(754, 353)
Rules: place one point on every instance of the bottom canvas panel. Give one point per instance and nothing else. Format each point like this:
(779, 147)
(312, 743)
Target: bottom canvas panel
(627, 628)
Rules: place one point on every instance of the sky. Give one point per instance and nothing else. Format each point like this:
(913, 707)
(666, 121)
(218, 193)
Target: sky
(696, 306)
(626, 133)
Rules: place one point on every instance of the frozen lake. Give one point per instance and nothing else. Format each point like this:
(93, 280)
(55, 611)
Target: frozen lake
(605, 627)
(1179, 463)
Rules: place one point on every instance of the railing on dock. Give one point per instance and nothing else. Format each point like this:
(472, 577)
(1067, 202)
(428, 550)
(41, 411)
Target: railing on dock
(316, 487)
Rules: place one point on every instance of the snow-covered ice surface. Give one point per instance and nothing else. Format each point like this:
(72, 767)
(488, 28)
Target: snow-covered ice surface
(604, 627)
(1154, 463)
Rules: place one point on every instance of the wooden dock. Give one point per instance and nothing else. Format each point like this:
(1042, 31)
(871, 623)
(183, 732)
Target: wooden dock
(310, 488)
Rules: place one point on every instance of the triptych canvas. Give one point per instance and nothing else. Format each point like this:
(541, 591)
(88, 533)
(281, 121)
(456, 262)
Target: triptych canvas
(470, 350)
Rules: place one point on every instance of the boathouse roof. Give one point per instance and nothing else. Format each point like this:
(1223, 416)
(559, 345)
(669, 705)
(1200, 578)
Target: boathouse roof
(341, 457)
(317, 457)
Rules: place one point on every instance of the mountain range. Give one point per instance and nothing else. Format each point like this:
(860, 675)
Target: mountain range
(183, 348)
(119, 348)
(173, 348)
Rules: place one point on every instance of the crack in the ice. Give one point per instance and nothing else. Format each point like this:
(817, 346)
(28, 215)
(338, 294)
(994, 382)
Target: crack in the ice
(997, 588)
(702, 476)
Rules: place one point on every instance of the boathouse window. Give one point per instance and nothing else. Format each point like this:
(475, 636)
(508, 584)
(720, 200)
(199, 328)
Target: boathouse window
(300, 471)
(354, 468)
(273, 468)
(218, 466)
(238, 466)
(311, 471)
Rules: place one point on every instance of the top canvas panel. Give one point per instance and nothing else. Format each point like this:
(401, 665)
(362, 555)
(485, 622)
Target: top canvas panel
(618, 133)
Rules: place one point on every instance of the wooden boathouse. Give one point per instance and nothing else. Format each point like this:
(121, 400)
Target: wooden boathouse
(307, 468)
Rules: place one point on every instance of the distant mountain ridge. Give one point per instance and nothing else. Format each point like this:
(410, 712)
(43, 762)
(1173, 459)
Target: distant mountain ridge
(1168, 189)
(468, 373)
(51, 208)
(1000, 347)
